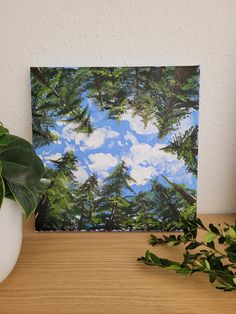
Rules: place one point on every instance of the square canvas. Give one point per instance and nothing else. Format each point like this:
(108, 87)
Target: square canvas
(119, 145)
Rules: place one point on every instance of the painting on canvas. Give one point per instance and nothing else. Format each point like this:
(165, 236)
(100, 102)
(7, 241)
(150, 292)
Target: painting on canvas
(119, 145)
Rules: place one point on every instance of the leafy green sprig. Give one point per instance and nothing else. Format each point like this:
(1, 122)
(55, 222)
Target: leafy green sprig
(219, 264)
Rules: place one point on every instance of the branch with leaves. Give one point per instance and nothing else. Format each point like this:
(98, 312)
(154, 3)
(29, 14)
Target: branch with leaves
(215, 255)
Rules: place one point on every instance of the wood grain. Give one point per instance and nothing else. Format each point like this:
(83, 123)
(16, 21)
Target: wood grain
(97, 273)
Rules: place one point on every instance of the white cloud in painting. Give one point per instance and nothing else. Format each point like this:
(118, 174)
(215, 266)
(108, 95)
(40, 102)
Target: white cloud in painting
(143, 152)
(130, 137)
(80, 174)
(92, 141)
(60, 123)
(184, 125)
(142, 174)
(137, 124)
(45, 152)
(69, 147)
(53, 157)
(110, 145)
(182, 177)
(119, 143)
(68, 133)
(174, 167)
(146, 162)
(44, 156)
(96, 139)
(101, 163)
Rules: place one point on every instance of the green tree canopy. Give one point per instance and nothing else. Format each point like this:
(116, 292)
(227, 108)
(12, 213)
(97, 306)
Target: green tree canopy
(84, 200)
(57, 94)
(186, 147)
(113, 205)
(163, 94)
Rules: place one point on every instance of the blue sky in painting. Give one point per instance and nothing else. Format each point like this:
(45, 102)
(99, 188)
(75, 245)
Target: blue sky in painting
(113, 141)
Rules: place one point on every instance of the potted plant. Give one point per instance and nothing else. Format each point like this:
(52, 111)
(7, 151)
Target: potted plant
(20, 173)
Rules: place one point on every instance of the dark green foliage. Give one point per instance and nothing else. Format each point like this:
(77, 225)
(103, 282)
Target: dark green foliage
(165, 94)
(84, 204)
(68, 205)
(186, 195)
(185, 147)
(113, 208)
(66, 164)
(167, 201)
(219, 264)
(55, 203)
(143, 205)
(57, 92)
(20, 171)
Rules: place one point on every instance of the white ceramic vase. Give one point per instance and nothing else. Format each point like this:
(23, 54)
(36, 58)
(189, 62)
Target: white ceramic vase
(10, 236)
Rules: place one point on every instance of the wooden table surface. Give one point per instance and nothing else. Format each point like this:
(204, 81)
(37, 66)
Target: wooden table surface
(97, 273)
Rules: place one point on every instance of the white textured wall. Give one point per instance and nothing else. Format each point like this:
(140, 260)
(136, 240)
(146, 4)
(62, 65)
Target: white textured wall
(122, 32)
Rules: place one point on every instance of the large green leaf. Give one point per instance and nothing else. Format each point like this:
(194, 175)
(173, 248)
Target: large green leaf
(18, 174)
(2, 186)
(3, 130)
(27, 197)
(2, 190)
(21, 166)
(12, 141)
(8, 193)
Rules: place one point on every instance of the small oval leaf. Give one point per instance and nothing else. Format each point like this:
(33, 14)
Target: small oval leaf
(209, 236)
